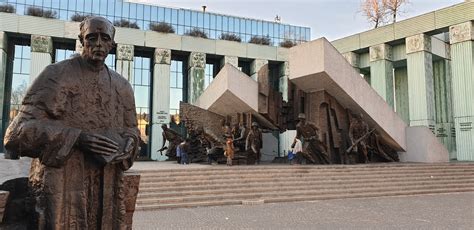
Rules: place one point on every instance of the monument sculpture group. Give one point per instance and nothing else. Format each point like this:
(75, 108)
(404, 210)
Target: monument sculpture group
(78, 121)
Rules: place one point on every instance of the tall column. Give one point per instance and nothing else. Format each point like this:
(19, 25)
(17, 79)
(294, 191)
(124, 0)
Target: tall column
(462, 58)
(3, 68)
(41, 54)
(124, 57)
(443, 105)
(283, 80)
(196, 68)
(256, 66)
(233, 60)
(420, 81)
(353, 59)
(381, 71)
(401, 94)
(161, 100)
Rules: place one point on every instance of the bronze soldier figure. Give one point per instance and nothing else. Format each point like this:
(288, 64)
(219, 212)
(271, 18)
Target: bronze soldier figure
(78, 121)
(254, 141)
(358, 134)
(174, 139)
(239, 132)
(313, 149)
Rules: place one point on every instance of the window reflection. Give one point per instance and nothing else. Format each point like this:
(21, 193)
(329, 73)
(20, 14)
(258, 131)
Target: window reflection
(63, 54)
(20, 80)
(110, 61)
(181, 19)
(176, 86)
(141, 87)
(209, 75)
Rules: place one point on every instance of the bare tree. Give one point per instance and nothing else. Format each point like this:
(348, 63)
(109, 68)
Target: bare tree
(375, 11)
(18, 93)
(393, 7)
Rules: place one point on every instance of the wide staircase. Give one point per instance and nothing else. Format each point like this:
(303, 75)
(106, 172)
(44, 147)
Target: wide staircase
(220, 185)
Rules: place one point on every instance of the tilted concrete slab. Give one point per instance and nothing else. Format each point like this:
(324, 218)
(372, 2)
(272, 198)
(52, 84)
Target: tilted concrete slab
(317, 65)
(230, 92)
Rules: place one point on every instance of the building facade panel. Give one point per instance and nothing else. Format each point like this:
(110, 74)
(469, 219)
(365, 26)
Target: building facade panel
(71, 29)
(415, 25)
(347, 44)
(9, 22)
(193, 44)
(261, 52)
(464, 138)
(231, 48)
(463, 78)
(41, 26)
(130, 36)
(454, 15)
(163, 40)
(401, 94)
(377, 36)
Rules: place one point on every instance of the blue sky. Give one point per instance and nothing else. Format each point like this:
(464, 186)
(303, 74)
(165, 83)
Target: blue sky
(332, 19)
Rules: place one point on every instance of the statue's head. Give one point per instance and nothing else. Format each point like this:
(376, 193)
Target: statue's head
(97, 38)
(164, 126)
(302, 117)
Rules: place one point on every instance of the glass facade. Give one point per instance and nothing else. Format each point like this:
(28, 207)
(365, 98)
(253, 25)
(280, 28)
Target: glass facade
(177, 94)
(176, 86)
(141, 85)
(181, 19)
(63, 54)
(20, 80)
(209, 75)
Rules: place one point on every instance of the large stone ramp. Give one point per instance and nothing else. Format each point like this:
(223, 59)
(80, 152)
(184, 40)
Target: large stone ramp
(317, 65)
(221, 185)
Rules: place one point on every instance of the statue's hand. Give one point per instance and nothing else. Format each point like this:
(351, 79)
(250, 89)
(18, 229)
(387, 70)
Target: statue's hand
(97, 144)
(127, 151)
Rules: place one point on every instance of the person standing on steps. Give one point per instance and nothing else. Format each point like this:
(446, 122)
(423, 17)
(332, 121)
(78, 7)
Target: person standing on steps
(229, 149)
(184, 150)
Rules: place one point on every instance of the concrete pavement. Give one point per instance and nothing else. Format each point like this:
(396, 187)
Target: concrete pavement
(440, 211)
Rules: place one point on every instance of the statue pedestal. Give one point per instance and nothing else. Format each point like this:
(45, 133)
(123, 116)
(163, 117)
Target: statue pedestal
(3, 203)
(131, 183)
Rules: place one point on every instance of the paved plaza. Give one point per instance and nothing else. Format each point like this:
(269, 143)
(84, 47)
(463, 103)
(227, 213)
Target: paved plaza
(441, 211)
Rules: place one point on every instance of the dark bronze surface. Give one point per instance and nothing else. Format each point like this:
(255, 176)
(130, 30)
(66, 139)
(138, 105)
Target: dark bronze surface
(78, 122)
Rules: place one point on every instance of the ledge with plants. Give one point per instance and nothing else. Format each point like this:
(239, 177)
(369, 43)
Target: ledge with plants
(259, 40)
(7, 8)
(161, 27)
(195, 32)
(38, 12)
(126, 24)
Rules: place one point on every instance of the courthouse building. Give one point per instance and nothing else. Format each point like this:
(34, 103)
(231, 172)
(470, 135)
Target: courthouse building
(159, 66)
(422, 66)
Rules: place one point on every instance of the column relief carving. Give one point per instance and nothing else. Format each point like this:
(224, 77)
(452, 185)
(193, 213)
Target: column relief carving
(162, 56)
(124, 52)
(41, 44)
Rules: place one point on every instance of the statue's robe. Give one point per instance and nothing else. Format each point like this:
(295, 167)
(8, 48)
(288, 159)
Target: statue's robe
(75, 189)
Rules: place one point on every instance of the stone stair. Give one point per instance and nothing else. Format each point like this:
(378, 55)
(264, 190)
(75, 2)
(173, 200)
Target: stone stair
(220, 185)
